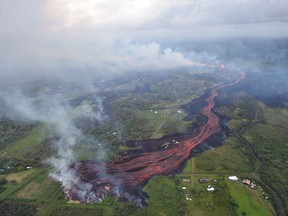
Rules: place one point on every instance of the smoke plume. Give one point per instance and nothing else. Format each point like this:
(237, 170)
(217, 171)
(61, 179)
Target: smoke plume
(59, 116)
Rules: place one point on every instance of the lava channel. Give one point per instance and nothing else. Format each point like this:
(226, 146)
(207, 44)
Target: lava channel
(126, 179)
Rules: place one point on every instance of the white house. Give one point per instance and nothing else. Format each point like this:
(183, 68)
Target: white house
(233, 178)
(211, 189)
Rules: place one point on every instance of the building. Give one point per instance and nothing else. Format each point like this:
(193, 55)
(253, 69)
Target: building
(246, 181)
(210, 188)
(204, 180)
(233, 178)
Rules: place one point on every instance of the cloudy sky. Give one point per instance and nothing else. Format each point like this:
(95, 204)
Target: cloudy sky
(44, 37)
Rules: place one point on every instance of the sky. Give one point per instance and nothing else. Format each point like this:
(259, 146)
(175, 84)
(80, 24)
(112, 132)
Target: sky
(53, 38)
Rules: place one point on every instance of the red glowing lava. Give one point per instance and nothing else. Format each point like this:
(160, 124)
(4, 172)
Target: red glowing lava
(127, 177)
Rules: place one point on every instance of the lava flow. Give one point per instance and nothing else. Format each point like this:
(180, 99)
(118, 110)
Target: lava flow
(126, 178)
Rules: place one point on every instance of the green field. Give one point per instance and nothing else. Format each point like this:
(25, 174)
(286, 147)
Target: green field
(166, 197)
(270, 142)
(229, 158)
(28, 146)
(248, 201)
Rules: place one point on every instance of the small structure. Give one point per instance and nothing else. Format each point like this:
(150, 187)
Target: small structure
(246, 181)
(210, 188)
(233, 178)
(184, 188)
(187, 180)
(253, 185)
(204, 180)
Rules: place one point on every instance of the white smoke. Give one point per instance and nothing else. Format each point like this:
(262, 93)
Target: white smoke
(57, 115)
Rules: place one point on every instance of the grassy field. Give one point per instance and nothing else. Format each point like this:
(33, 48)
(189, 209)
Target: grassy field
(270, 143)
(166, 196)
(11, 131)
(275, 116)
(235, 198)
(229, 158)
(147, 121)
(164, 121)
(23, 147)
(17, 181)
(19, 176)
(248, 201)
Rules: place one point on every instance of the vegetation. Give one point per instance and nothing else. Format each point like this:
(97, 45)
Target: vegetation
(166, 197)
(229, 158)
(74, 211)
(28, 148)
(11, 130)
(270, 144)
(246, 201)
(9, 208)
(154, 113)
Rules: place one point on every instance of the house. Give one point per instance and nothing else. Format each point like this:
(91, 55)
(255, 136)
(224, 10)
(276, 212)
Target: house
(184, 188)
(211, 189)
(233, 178)
(204, 180)
(186, 180)
(246, 181)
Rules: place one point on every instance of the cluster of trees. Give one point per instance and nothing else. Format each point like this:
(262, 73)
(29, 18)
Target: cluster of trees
(9, 208)
(3, 181)
(11, 130)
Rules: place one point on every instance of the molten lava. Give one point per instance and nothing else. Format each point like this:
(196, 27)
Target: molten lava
(127, 177)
